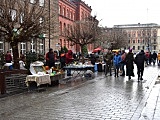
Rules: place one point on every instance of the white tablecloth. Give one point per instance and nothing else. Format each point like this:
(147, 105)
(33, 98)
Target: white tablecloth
(39, 79)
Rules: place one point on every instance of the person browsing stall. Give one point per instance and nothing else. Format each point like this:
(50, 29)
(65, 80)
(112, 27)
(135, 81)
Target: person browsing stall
(69, 59)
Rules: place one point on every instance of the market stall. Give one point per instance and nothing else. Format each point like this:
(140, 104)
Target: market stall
(43, 74)
(79, 69)
(38, 74)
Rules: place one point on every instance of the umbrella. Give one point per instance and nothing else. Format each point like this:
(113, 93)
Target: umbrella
(97, 50)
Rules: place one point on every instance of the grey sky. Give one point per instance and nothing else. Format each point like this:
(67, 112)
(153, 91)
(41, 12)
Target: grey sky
(115, 12)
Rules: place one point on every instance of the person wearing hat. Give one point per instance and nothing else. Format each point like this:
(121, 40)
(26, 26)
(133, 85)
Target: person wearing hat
(140, 60)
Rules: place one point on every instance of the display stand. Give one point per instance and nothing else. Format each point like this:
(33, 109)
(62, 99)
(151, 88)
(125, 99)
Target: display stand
(38, 74)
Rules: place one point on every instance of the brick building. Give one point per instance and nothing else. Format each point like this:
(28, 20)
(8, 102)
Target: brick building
(70, 11)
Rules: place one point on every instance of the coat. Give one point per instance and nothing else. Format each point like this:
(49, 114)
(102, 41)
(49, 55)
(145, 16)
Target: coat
(108, 58)
(69, 57)
(129, 64)
(116, 61)
(140, 59)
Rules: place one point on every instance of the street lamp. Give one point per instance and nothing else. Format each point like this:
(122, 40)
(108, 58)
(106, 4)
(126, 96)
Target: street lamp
(49, 23)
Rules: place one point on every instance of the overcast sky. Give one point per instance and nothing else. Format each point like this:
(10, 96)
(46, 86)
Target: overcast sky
(117, 12)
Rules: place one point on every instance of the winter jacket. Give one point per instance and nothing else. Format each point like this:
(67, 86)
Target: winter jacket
(69, 57)
(108, 58)
(117, 60)
(140, 59)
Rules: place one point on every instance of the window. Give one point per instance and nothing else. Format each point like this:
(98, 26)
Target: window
(70, 15)
(60, 10)
(33, 46)
(1, 46)
(41, 3)
(67, 13)
(129, 35)
(23, 48)
(64, 29)
(154, 47)
(138, 41)
(143, 47)
(143, 41)
(139, 34)
(129, 41)
(138, 47)
(60, 28)
(133, 47)
(41, 48)
(133, 41)
(63, 12)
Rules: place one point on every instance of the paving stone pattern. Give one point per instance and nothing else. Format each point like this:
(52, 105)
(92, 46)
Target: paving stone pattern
(102, 98)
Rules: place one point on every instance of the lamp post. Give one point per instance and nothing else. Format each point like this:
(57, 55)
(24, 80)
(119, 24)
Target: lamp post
(49, 24)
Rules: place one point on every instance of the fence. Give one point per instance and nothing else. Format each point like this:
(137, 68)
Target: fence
(12, 81)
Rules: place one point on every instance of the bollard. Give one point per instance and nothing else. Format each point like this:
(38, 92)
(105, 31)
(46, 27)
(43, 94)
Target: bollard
(2, 83)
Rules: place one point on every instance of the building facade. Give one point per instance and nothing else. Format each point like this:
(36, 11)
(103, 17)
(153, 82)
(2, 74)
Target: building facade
(47, 39)
(69, 12)
(142, 36)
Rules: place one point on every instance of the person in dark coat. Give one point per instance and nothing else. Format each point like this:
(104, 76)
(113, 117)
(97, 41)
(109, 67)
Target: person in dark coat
(108, 59)
(50, 61)
(93, 59)
(139, 60)
(154, 56)
(129, 64)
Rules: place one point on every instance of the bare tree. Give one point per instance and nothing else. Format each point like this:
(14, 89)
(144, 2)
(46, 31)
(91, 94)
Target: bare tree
(20, 21)
(114, 38)
(83, 32)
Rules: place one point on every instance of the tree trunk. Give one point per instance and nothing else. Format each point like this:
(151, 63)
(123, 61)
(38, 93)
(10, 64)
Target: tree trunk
(14, 46)
(82, 54)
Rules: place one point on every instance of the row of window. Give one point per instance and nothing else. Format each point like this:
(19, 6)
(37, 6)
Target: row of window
(140, 34)
(143, 47)
(23, 47)
(71, 14)
(66, 13)
(141, 41)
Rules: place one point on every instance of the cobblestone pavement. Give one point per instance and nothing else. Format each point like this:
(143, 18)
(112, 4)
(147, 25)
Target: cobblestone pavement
(102, 98)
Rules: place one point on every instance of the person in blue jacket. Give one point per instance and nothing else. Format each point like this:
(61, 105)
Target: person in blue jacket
(116, 63)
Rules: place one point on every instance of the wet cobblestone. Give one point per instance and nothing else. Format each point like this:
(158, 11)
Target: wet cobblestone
(103, 98)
